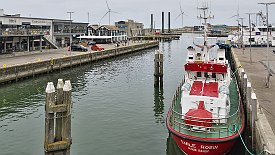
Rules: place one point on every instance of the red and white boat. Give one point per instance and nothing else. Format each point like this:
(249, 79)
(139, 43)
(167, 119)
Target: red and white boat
(206, 116)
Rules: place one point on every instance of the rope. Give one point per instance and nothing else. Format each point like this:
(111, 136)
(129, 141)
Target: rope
(237, 129)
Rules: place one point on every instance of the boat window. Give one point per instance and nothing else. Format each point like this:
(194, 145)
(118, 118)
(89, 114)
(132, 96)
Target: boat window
(213, 75)
(190, 58)
(220, 58)
(252, 39)
(206, 75)
(198, 74)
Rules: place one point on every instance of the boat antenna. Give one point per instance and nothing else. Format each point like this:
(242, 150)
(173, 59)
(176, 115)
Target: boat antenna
(204, 17)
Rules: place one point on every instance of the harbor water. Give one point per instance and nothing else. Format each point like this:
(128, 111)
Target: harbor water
(116, 109)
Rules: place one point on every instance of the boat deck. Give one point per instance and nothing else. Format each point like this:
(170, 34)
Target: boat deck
(219, 128)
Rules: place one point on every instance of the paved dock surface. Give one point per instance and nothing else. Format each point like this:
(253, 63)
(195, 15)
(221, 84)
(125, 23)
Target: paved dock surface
(19, 58)
(257, 72)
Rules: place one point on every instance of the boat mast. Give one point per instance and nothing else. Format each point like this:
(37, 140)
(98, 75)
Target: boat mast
(204, 8)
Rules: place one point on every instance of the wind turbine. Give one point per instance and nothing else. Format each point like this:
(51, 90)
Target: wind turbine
(108, 12)
(181, 14)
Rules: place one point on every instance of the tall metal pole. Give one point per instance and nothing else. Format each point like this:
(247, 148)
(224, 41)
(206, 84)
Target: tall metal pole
(109, 16)
(249, 15)
(267, 46)
(70, 12)
(242, 36)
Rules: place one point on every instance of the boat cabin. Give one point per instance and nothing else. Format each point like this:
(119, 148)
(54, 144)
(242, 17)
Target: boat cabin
(206, 84)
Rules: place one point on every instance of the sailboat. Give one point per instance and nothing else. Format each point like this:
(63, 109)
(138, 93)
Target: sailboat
(206, 115)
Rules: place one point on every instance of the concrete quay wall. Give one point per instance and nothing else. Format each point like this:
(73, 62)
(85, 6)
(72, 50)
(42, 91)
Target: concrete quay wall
(262, 138)
(19, 71)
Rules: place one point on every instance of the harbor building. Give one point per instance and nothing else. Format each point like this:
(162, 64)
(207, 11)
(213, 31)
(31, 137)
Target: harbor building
(29, 33)
(104, 34)
(131, 27)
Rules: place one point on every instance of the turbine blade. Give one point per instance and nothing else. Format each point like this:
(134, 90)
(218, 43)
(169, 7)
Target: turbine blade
(114, 12)
(178, 16)
(107, 4)
(180, 9)
(233, 16)
(104, 15)
(185, 14)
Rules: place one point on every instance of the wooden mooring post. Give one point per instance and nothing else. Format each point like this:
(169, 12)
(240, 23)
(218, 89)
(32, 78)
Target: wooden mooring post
(158, 69)
(58, 119)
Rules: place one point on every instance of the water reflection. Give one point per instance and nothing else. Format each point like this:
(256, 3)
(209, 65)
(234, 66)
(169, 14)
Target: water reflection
(172, 148)
(159, 105)
(169, 51)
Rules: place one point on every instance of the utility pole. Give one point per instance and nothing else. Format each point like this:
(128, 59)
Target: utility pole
(249, 15)
(70, 12)
(267, 47)
(242, 34)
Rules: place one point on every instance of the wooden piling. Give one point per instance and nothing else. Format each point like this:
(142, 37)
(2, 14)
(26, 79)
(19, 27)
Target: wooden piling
(58, 129)
(49, 117)
(158, 73)
(59, 100)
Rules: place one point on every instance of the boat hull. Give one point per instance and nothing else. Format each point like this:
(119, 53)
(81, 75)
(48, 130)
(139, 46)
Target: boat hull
(192, 147)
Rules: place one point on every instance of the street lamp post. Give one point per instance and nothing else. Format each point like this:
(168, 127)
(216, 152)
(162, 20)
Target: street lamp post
(70, 12)
(242, 35)
(249, 15)
(267, 47)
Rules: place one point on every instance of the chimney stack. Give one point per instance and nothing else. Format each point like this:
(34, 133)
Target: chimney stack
(152, 22)
(169, 22)
(162, 30)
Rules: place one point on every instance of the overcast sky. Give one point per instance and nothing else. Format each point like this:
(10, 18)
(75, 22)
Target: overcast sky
(138, 10)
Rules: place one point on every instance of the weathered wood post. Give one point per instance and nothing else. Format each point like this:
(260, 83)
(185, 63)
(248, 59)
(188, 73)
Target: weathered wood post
(49, 117)
(67, 100)
(158, 69)
(51, 64)
(58, 129)
(59, 100)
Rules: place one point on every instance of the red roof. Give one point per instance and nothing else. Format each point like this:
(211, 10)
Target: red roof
(205, 67)
(207, 89)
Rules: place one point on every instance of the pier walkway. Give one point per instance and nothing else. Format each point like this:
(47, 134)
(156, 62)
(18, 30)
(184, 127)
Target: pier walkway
(19, 58)
(29, 64)
(257, 72)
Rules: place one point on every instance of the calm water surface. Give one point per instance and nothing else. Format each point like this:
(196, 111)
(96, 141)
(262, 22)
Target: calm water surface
(116, 110)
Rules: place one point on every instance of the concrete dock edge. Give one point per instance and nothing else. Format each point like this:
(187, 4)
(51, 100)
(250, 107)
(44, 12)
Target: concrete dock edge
(31, 69)
(264, 135)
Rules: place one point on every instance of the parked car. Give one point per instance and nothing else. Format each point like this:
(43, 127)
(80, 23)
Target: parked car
(79, 48)
(91, 43)
(97, 48)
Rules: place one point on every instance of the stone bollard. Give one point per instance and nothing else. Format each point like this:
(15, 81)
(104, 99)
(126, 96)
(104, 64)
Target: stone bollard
(254, 118)
(248, 97)
(254, 108)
